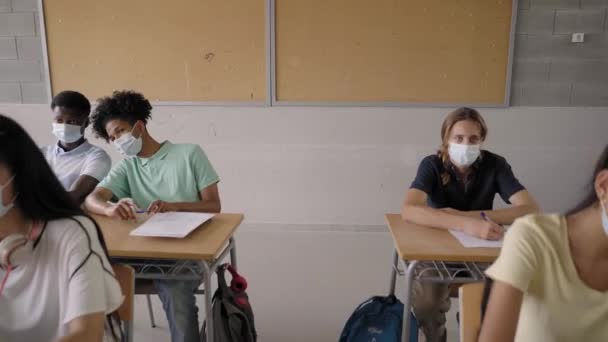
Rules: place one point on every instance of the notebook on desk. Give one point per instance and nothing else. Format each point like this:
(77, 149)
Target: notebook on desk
(171, 225)
(469, 241)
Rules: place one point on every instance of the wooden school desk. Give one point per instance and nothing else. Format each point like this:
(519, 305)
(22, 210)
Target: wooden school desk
(432, 255)
(194, 257)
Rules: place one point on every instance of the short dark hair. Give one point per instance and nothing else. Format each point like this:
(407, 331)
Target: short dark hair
(126, 105)
(74, 101)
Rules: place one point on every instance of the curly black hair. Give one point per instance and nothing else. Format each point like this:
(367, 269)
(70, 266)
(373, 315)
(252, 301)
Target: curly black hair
(73, 101)
(126, 105)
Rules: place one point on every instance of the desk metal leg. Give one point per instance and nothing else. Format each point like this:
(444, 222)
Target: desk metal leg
(207, 274)
(407, 299)
(393, 283)
(233, 253)
(128, 337)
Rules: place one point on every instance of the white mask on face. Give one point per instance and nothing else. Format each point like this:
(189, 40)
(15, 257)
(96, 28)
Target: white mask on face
(4, 209)
(604, 219)
(464, 155)
(128, 145)
(67, 133)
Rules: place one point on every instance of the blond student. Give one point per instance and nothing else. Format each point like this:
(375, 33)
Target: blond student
(455, 189)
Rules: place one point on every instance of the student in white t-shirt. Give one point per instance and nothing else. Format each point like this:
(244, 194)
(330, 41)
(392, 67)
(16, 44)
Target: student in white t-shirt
(78, 165)
(551, 278)
(56, 283)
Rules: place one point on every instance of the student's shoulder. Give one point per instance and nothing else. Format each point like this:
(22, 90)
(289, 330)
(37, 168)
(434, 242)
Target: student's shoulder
(98, 152)
(70, 230)
(47, 149)
(539, 229)
(493, 158)
(431, 161)
(186, 148)
(188, 151)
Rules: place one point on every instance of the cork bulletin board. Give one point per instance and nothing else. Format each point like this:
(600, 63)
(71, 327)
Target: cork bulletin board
(402, 51)
(179, 50)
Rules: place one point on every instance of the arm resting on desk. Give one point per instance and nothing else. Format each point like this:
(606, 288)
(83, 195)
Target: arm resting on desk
(83, 186)
(522, 203)
(97, 201)
(502, 314)
(209, 203)
(415, 210)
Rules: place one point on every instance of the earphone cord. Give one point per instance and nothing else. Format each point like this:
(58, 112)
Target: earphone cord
(8, 271)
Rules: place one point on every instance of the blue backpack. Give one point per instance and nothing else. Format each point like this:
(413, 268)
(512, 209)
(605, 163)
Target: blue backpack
(378, 319)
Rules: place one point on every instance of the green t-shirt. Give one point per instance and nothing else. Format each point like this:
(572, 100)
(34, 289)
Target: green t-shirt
(175, 173)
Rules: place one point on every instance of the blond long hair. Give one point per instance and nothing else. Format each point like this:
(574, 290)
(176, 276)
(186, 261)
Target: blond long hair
(460, 114)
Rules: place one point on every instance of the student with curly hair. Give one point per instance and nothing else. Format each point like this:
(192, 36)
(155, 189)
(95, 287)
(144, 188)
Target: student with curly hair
(158, 177)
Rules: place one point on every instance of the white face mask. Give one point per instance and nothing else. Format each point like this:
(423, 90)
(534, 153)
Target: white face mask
(464, 155)
(4, 209)
(67, 133)
(128, 145)
(604, 219)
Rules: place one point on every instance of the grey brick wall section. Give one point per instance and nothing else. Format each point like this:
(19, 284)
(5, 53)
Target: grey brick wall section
(33, 92)
(5, 5)
(550, 70)
(594, 3)
(22, 78)
(25, 5)
(587, 21)
(29, 48)
(10, 93)
(8, 48)
(535, 21)
(555, 3)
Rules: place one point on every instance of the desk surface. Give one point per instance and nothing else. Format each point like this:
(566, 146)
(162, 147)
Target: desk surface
(204, 243)
(415, 242)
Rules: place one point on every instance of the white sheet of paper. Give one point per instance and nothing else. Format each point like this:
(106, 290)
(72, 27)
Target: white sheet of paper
(173, 225)
(469, 241)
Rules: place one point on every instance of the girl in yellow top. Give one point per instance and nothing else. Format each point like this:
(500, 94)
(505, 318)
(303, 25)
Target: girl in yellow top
(551, 278)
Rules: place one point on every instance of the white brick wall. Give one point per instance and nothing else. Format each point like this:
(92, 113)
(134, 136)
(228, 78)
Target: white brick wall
(22, 78)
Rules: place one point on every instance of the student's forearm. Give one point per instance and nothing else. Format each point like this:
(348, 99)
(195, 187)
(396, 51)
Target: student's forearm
(504, 216)
(431, 217)
(200, 206)
(95, 203)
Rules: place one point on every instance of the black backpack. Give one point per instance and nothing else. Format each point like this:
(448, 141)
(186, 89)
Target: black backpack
(232, 314)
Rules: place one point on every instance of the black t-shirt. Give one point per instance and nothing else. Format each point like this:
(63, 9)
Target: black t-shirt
(491, 175)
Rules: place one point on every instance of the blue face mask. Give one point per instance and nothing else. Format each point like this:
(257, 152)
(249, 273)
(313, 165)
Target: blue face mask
(4, 209)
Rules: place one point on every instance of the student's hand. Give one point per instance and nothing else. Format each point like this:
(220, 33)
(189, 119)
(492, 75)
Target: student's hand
(159, 206)
(484, 229)
(123, 209)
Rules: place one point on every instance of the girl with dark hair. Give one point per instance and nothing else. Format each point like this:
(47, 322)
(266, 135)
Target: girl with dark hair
(551, 278)
(455, 189)
(56, 283)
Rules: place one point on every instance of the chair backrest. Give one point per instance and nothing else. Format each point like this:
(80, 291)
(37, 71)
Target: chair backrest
(470, 311)
(126, 278)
